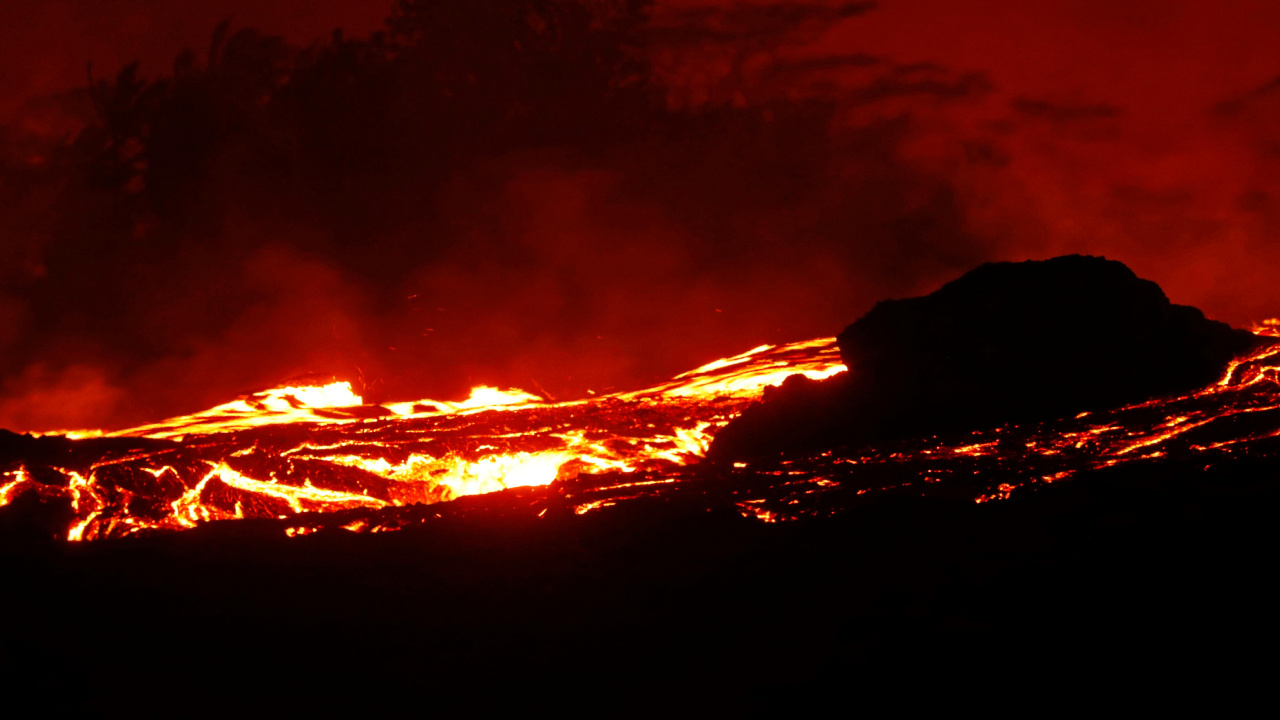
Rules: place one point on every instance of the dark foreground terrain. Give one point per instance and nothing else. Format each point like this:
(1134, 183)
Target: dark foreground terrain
(1154, 579)
(1116, 557)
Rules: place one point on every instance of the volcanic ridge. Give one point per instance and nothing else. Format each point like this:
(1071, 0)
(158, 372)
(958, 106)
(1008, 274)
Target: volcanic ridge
(1005, 343)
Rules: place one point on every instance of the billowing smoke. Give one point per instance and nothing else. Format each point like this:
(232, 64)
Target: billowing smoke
(565, 196)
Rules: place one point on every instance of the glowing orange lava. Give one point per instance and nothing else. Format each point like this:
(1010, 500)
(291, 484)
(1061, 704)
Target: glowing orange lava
(297, 450)
(318, 458)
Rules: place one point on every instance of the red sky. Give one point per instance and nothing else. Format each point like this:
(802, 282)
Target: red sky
(1156, 55)
(1165, 64)
(1104, 130)
(44, 44)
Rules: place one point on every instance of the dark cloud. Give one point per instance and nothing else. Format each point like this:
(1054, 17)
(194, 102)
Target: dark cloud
(45, 44)
(1243, 102)
(807, 66)
(749, 22)
(1061, 113)
(524, 209)
(577, 196)
(929, 81)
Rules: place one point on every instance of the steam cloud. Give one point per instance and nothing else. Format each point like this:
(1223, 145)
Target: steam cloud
(566, 197)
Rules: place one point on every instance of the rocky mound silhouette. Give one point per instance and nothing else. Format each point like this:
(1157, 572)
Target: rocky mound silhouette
(1006, 342)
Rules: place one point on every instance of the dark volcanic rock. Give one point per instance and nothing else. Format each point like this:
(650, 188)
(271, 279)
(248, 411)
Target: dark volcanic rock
(1007, 342)
(61, 451)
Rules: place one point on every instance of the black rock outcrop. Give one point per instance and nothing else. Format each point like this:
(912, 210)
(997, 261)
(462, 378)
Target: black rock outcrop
(1006, 342)
(61, 451)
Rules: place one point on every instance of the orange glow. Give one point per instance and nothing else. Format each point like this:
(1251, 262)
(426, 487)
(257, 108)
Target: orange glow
(349, 455)
(15, 482)
(751, 508)
(270, 407)
(302, 453)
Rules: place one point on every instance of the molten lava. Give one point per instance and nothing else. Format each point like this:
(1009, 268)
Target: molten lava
(302, 450)
(317, 458)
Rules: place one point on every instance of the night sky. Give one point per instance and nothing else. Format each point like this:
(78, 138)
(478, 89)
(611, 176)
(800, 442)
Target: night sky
(449, 213)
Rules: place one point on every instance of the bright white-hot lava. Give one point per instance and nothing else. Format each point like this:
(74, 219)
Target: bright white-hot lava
(306, 449)
(305, 453)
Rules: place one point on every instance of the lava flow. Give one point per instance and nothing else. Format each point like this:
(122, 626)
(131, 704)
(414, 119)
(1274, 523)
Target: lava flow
(317, 450)
(318, 459)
